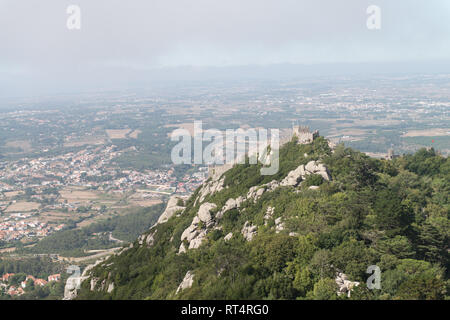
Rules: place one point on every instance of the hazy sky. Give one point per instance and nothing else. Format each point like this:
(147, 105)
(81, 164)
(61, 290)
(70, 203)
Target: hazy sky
(37, 50)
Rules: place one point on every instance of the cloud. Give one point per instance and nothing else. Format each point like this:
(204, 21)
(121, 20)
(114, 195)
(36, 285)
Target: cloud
(142, 34)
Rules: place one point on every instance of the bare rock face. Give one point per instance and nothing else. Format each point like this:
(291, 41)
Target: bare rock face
(197, 241)
(294, 177)
(191, 231)
(204, 212)
(315, 167)
(171, 209)
(110, 287)
(345, 285)
(93, 283)
(269, 214)
(141, 239)
(256, 192)
(71, 288)
(279, 225)
(228, 236)
(239, 201)
(73, 283)
(210, 188)
(194, 234)
(230, 205)
(249, 231)
(151, 238)
(187, 281)
(272, 185)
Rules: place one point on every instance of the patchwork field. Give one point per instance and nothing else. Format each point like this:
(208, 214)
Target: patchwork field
(82, 141)
(77, 195)
(117, 133)
(145, 202)
(57, 216)
(428, 133)
(23, 145)
(22, 206)
(11, 194)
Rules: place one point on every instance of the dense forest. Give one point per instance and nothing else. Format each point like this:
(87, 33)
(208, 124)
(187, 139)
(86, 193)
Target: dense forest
(40, 267)
(392, 214)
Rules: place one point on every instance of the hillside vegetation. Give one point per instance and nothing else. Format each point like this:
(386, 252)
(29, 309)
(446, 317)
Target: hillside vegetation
(75, 241)
(392, 214)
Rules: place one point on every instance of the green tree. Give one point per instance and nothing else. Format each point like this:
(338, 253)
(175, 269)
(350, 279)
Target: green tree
(325, 289)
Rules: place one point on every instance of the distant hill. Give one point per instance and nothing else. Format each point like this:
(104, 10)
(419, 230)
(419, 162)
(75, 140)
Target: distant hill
(308, 232)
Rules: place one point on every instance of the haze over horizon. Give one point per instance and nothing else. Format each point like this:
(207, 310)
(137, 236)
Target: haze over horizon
(119, 46)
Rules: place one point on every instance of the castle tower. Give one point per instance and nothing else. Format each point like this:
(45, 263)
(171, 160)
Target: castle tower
(304, 134)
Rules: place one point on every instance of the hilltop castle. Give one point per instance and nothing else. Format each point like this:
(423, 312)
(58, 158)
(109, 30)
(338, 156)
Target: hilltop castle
(391, 155)
(304, 134)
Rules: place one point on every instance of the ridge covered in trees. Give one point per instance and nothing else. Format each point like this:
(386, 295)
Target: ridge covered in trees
(392, 214)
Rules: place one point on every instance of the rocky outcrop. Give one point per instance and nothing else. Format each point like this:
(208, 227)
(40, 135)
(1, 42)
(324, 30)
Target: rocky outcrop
(230, 205)
(171, 208)
(93, 283)
(295, 177)
(106, 284)
(110, 287)
(197, 231)
(141, 239)
(149, 239)
(194, 234)
(345, 286)
(209, 188)
(255, 192)
(204, 213)
(279, 225)
(187, 282)
(228, 236)
(73, 283)
(71, 288)
(315, 167)
(249, 231)
(269, 214)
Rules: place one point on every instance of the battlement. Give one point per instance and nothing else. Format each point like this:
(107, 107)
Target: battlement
(304, 134)
(301, 129)
(391, 155)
